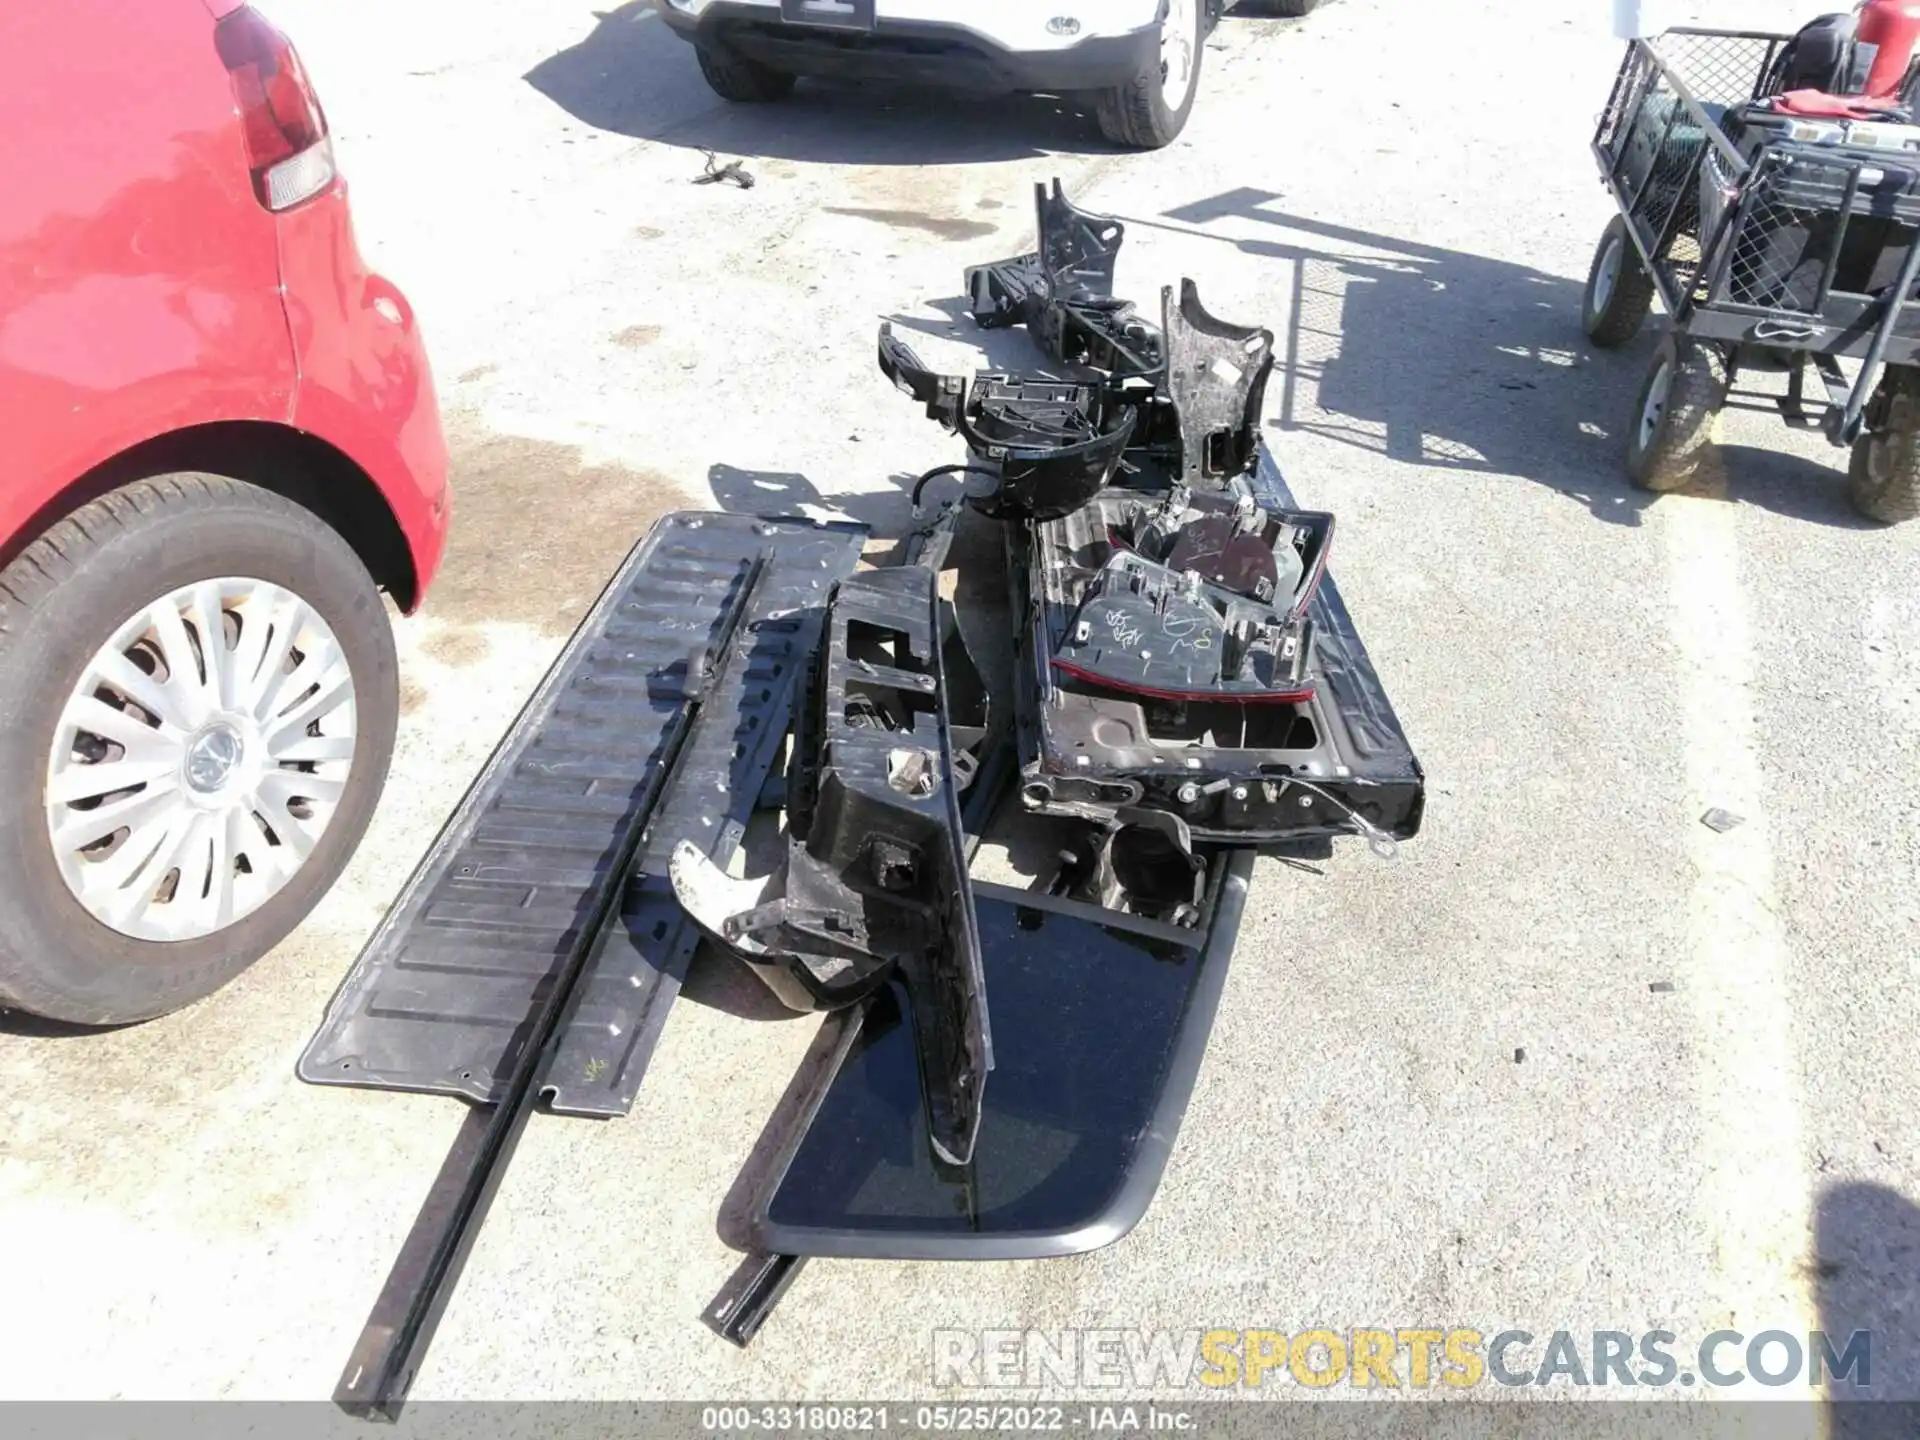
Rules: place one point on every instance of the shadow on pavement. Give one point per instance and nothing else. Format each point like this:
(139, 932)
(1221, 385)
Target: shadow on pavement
(19, 1022)
(1451, 361)
(633, 76)
(1867, 1278)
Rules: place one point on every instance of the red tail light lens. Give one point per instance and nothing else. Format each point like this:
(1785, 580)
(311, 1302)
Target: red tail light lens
(286, 131)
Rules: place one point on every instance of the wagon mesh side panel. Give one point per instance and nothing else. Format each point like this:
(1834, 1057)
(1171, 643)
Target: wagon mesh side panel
(1657, 130)
(1669, 206)
(1627, 87)
(1717, 69)
(1781, 251)
(1658, 172)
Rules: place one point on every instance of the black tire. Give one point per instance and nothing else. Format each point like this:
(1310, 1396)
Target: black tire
(1136, 114)
(61, 600)
(1883, 482)
(1288, 9)
(1613, 310)
(1668, 442)
(732, 76)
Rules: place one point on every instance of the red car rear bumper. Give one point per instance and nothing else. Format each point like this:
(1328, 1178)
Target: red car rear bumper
(365, 385)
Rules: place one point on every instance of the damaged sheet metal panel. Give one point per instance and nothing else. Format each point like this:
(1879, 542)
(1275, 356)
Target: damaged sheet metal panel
(875, 887)
(1100, 1022)
(440, 998)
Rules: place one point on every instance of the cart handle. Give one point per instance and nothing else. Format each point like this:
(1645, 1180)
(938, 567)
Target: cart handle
(1852, 419)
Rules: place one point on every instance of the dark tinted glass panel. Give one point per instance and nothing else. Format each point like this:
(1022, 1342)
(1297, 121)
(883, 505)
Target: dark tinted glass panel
(1084, 1021)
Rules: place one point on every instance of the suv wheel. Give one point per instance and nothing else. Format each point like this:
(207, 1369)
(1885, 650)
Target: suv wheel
(198, 699)
(1151, 109)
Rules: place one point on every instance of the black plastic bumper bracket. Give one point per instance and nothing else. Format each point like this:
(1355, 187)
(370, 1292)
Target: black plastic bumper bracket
(876, 876)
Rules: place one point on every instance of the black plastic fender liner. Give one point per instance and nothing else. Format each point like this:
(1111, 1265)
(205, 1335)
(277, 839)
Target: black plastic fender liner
(1100, 1024)
(1057, 443)
(943, 395)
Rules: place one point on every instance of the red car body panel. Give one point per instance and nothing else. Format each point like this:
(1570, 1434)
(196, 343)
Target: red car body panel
(365, 386)
(145, 290)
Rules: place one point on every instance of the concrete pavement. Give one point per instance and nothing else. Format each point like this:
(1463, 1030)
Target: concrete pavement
(1573, 1062)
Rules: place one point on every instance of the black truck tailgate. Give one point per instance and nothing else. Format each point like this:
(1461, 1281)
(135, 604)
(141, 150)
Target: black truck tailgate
(440, 998)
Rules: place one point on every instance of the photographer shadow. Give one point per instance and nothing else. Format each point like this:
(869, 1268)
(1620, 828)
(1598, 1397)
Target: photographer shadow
(1453, 362)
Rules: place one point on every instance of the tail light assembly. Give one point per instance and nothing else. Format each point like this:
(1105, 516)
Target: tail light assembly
(288, 149)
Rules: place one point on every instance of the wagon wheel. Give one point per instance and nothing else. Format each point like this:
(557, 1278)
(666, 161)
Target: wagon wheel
(1884, 480)
(1619, 290)
(1680, 402)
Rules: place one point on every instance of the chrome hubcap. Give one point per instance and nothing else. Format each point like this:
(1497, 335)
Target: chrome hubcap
(199, 759)
(1177, 58)
(1608, 276)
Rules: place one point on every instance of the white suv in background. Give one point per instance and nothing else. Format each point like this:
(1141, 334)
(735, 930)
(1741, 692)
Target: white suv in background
(1139, 60)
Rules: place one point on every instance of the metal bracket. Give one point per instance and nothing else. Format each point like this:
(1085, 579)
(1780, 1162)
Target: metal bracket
(1216, 378)
(760, 1283)
(1063, 292)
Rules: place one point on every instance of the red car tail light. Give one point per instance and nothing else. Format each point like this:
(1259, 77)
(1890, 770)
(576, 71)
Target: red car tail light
(285, 129)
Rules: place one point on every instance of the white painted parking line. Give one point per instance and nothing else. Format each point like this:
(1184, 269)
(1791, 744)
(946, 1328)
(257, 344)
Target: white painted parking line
(1754, 1199)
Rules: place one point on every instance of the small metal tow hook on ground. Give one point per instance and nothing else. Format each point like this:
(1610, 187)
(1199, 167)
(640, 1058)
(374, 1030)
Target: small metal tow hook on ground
(733, 172)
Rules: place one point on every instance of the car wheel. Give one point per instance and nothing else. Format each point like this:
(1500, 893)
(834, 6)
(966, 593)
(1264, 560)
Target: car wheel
(1883, 482)
(1151, 109)
(732, 76)
(1619, 291)
(198, 698)
(1679, 407)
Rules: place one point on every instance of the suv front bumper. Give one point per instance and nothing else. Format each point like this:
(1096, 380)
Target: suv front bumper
(944, 53)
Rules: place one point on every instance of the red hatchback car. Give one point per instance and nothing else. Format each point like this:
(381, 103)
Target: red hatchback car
(218, 444)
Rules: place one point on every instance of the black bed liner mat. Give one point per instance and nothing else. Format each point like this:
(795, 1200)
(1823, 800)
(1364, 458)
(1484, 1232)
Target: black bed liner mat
(1098, 1043)
(439, 1000)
